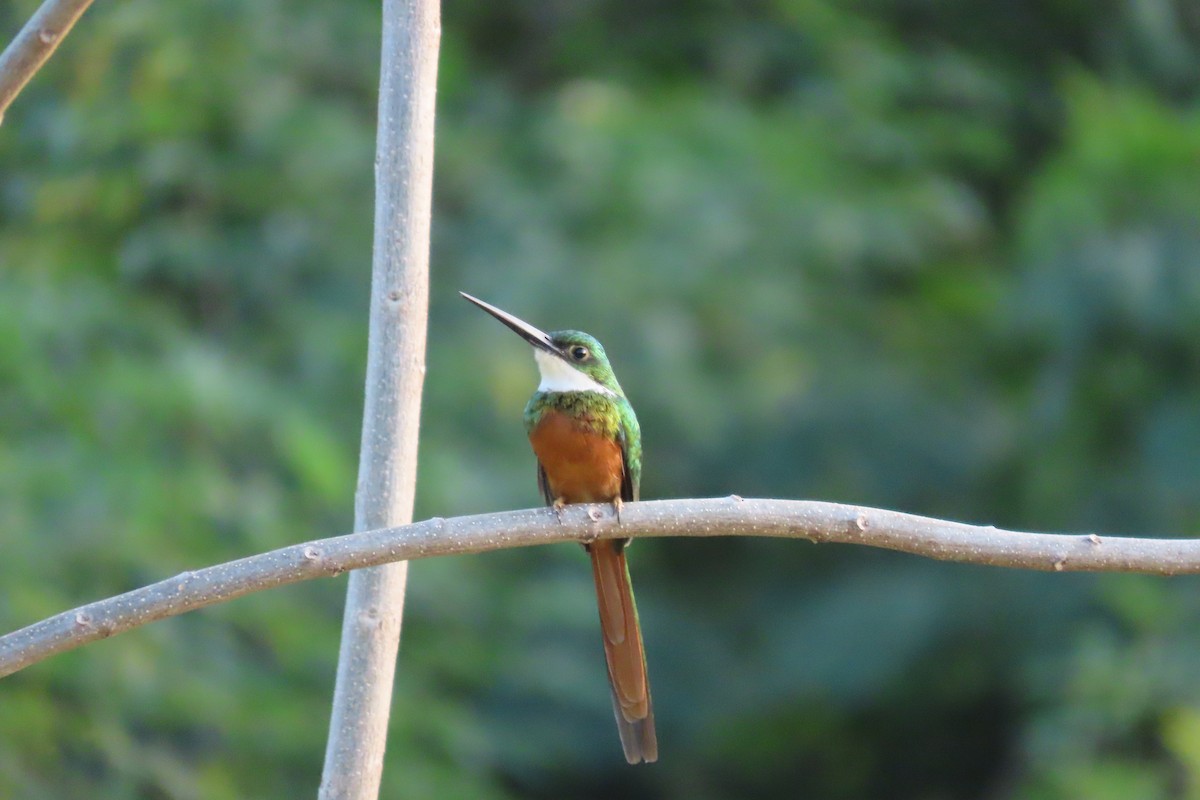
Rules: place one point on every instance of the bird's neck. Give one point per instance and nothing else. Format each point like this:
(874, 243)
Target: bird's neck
(590, 410)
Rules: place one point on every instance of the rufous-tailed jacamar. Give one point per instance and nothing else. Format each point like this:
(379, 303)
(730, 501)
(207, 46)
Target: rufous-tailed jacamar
(589, 450)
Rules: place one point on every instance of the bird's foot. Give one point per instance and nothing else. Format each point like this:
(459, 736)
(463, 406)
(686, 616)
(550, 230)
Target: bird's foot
(617, 505)
(558, 505)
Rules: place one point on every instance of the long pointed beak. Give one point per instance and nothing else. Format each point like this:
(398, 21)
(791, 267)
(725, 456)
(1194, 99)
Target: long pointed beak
(536, 337)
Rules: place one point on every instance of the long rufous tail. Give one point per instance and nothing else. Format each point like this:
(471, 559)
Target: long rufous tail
(624, 652)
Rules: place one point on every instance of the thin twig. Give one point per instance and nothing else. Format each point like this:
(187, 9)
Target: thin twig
(34, 44)
(387, 472)
(732, 516)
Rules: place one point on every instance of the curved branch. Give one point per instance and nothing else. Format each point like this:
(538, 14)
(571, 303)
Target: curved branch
(731, 516)
(34, 44)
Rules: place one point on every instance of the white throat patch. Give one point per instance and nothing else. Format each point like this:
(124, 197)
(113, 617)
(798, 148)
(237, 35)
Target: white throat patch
(559, 376)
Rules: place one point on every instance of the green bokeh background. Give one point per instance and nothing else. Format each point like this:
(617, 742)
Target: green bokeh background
(936, 256)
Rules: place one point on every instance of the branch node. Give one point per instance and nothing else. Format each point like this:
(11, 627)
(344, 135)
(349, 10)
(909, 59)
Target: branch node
(1093, 538)
(1060, 565)
(35, 43)
(312, 553)
(737, 498)
(83, 619)
(862, 523)
(591, 534)
(369, 618)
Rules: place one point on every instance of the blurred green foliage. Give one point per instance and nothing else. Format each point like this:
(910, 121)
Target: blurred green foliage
(935, 256)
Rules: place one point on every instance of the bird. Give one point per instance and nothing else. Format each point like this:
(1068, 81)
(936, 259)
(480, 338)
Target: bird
(588, 445)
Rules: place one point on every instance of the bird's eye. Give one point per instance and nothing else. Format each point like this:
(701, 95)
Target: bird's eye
(579, 352)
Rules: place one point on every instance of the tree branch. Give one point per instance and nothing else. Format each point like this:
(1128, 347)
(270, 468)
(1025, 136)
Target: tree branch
(815, 521)
(34, 44)
(387, 472)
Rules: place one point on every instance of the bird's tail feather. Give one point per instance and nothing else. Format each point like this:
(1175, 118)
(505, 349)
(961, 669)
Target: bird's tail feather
(624, 652)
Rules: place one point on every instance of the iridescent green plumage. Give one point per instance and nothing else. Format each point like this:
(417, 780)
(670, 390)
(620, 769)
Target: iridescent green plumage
(589, 449)
(608, 415)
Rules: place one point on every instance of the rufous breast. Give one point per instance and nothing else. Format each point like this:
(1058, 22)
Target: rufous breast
(581, 466)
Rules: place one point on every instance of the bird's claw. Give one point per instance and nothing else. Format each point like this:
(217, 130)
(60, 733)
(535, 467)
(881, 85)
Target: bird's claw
(558, 505)
(617, 505)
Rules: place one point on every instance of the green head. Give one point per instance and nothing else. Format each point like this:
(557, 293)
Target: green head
(569, 361)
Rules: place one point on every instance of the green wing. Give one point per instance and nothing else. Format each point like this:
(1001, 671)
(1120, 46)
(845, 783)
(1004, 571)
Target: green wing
(630, 437)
